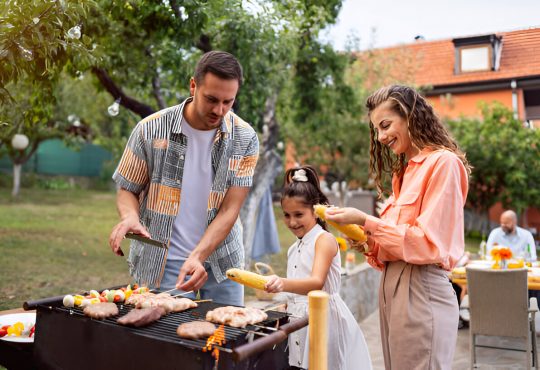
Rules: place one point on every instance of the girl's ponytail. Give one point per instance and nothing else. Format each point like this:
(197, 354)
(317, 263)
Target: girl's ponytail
(303, 182)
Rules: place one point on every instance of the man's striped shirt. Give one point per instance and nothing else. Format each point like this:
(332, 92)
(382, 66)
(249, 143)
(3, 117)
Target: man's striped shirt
(152, 167)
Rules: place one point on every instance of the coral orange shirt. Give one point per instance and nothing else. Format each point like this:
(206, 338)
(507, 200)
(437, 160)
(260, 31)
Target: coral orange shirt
(422, 222)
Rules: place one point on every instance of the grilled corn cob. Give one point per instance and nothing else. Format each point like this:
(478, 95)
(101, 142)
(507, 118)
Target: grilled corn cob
(248, 278)
(352, 231)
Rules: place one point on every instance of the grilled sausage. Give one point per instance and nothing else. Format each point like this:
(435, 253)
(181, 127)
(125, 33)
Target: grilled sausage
(142, 316)
(101, 310)
(196, 329)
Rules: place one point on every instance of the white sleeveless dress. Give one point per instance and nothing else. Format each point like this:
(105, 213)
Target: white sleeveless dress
(347, 348)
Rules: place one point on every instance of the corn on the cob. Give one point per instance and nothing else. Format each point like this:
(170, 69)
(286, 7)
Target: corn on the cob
(248, 278)
(352, 231)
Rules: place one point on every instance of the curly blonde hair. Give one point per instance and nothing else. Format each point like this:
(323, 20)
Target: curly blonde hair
(425, 130)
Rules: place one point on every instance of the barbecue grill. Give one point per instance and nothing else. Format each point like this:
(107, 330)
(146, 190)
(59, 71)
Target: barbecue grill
(68, 339)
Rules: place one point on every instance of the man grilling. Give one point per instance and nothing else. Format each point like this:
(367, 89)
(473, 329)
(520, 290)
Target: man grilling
(183, 177)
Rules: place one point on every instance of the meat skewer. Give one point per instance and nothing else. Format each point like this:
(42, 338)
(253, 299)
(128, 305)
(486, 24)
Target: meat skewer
(238, 317)
(164, 300)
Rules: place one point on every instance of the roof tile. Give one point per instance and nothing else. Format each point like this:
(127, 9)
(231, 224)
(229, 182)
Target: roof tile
(432, 62)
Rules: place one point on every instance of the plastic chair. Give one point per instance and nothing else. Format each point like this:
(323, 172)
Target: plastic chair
(498, 307)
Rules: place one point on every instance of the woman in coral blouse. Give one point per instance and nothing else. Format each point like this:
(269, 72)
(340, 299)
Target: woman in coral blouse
(419, 235)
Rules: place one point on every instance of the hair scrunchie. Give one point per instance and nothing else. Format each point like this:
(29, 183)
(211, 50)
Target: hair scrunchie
(300, 176)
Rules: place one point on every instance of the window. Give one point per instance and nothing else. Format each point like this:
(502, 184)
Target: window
(475, 58)
(477, 53)
(532, 104)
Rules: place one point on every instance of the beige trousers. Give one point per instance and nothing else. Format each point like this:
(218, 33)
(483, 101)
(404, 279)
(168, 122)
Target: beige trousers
(418, 316)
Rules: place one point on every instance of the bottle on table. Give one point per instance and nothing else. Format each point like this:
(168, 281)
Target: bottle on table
(483, 251)
(528, 256)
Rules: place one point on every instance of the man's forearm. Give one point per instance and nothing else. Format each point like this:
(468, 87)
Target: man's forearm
(127, 204)
(216, 233)
(221, 226)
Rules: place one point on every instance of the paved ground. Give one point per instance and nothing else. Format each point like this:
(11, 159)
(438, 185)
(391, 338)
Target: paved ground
(489, 358)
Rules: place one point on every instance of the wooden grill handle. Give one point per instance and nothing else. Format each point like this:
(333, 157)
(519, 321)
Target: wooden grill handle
(247, 350)
(318, 330)
(51, 301)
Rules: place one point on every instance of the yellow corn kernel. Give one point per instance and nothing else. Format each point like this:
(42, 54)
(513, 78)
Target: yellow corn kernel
(342, 243)
(248, 278)
(354, 232)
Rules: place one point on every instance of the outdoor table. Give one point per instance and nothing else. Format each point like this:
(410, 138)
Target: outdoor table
(531, 285)
(533, 281)
(16, 355)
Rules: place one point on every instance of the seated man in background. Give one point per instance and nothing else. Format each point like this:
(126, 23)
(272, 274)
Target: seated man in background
(519, 240)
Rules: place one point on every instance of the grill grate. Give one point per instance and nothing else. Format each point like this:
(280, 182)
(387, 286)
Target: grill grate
(165, 328)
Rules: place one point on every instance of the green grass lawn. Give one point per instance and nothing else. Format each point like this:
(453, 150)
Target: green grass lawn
(54, 242)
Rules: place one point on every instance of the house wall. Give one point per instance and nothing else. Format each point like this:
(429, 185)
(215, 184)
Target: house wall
(466, 104)
(532, 220)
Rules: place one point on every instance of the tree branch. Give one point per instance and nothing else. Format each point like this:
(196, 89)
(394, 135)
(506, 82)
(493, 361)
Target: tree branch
(176, 9)
(269, 166)
(126, 101)
(156, 82)
(270, 124)
(156, 91)
(203, 43)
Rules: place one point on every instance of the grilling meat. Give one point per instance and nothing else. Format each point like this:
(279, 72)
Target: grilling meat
(101, 310)
(142, 317)
(164, 300)
(237, 317)
(196, 329)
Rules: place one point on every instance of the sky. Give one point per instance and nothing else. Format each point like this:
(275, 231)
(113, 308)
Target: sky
(381, 23)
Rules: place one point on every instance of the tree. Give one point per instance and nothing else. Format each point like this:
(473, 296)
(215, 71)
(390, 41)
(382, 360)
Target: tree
(330, 90)
(321, 111)
(26, 115)
(162, 43)
(143, 53)
(37, 40)
(504, 155)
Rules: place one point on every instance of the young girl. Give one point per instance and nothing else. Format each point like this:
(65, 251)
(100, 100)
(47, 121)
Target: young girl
(314, 263)
(419, 235)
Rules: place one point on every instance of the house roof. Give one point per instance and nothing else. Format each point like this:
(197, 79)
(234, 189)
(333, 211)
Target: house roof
(431, 63)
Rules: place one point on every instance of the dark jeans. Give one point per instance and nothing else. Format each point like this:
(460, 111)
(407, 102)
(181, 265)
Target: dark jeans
(457, 289)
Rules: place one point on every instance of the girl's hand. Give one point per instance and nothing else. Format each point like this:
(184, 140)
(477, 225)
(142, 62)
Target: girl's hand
(274, 284)
(346, 215)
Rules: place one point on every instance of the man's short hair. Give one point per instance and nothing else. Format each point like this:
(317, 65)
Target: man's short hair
(222, 64)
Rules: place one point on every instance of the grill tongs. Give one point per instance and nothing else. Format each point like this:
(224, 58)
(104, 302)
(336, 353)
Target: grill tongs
(144, 239)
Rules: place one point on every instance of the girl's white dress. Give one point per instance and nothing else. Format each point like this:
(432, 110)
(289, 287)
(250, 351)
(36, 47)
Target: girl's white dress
(347, 348)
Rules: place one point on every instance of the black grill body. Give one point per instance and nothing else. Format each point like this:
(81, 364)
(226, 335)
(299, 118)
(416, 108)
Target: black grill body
(67, 339)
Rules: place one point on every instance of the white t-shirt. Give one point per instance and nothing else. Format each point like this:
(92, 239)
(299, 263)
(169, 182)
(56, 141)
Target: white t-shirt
(197, 178)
